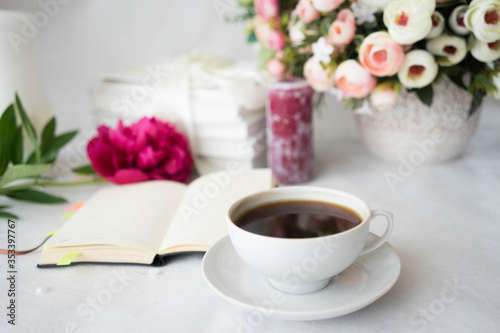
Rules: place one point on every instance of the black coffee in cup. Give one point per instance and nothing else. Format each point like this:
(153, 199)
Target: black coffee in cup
(298, 219)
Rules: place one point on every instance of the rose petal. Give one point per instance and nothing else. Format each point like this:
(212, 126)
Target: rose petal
(128, 176)
(150, 158)
(101, 156)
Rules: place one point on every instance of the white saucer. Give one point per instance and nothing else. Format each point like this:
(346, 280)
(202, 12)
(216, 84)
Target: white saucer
(366, 280)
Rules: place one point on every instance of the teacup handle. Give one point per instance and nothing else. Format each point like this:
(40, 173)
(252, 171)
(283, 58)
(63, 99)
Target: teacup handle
(387, 233)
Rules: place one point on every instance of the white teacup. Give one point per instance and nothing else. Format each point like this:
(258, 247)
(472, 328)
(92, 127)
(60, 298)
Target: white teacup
(302, 265)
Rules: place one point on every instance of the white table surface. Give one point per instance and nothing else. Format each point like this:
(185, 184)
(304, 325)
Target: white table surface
(446, 232)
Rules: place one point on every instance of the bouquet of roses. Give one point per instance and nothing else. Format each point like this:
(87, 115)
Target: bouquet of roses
(369, 49)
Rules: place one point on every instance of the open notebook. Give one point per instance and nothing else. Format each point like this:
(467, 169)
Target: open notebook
(141, 223)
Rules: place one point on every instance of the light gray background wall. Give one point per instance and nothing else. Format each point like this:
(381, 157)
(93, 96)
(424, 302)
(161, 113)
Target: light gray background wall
(88, 37)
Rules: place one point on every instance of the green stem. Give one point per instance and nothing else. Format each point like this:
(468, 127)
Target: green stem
(9, 189)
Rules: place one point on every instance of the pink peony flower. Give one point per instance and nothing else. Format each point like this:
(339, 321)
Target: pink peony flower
(276, 40)
(326, 5)
(307, 13)
(381, 55)
(146, 150)
(267, 9)
(342, 30)
(276, 68)
(354, 80)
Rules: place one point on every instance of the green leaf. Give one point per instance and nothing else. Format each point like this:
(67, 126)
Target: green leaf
(36, 196)
(56, 144)
(425, 94)
(265, 54)
(16, 154)
(48, 134)
(251, 37)
(28, 127)
(85, 170)
(8, 215)
(7, 133)
(2, 207)
(31, 159)
(23, 171)
(477, 100)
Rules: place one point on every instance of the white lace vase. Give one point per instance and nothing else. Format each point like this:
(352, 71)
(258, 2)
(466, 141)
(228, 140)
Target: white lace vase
(420, 134)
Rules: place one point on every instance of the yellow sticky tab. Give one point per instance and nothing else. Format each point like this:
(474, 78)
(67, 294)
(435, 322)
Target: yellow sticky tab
(67, 216)
(52, 233)
(68, 257)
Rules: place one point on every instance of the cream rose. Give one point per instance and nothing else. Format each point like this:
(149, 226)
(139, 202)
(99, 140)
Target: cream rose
(379, 5)
(437, 25)
(456, 21)
(342, 30)
(296, 33)
(306, 12)
(484, 51)
(354, 80)
(262, 31)
(452, 47)
(317, 76)
(419, 69)
(383, 97)
(483, 19)
(381, 55)
(326, 5)
(406, 23)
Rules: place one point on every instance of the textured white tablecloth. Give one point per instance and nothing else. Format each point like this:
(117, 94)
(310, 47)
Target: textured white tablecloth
(447, 232)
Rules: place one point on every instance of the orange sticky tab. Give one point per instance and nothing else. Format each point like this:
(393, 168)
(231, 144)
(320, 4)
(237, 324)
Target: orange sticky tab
(75, 207)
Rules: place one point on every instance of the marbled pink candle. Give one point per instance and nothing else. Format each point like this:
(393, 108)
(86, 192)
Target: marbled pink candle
(289, 131)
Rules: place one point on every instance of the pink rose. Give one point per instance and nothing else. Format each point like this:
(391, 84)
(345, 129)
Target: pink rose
(326, 5)
(342, 30)
(306, 11)
(276, 68)
(146, 150)
(354, 80)
(267, 9)
(317, 76)
(381, 55)
(276, 40)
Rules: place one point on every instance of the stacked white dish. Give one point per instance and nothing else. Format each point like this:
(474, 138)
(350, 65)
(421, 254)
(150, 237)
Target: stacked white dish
(219, 105)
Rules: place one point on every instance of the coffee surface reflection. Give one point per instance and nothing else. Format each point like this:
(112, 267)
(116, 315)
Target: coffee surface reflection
(298, 219)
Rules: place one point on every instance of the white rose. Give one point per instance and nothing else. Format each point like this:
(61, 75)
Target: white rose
(296, 33)
(378, 5)
(454, 48)
(483, 19)
(457, 21)
(326, 5)
(317, 76)
(437, 25)
(429, 6)
(419, 69)
(383, 97)
(484, 51)
(406, 23)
